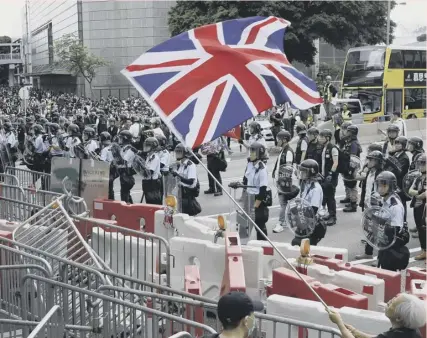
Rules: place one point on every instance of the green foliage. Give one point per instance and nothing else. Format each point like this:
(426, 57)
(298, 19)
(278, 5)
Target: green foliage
(340, 23)
(422, 37)
(334, 70)
(76, 57)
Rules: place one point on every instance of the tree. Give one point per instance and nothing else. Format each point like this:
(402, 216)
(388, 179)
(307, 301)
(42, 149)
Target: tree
(334, 70)
(340, 23)
(75, 57)
(422, 37)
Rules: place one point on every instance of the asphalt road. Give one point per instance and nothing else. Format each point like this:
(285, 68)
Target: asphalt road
(347, 233)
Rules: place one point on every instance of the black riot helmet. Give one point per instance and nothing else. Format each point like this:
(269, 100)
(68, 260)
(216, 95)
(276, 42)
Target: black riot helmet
(105, 138)
(308, 169)
(254, 128)
(420, 163)
(162, 141)
(301, 130)
(325, 135)
(345, 125)
(415, 144)
(7, 126)
(352, 130)
(375, 146)
(125, 137)
(392, 131)
(257, 152)
(386, 183)
(43, 121)
(73, 130)
(401, 140)
(281, 136)
(54, 128)
(20, 121)
(155, 122)
(375, 159)
(88, 134)
(38, 129)
(181, 151)
(150, 144)
(312, 133)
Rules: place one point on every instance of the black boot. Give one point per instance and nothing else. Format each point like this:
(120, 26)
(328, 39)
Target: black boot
(351, 208)
(345, 200)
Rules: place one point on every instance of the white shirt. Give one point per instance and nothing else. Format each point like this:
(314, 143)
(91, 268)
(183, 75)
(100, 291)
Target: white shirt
(313, 194)
(106, 154)
(153, 164)
(289, 158)
(92, 146)
(402, 126)
(334, 154)
(128, 156)
(257, 176)
(135, 130)
(70, 144)
(370, 180)
(55, 149)
(257, 138)
(158, 132)
(11, 139)
(188, 171)
(304, 146)
(397, 211)
(39, 145)
(164, 157)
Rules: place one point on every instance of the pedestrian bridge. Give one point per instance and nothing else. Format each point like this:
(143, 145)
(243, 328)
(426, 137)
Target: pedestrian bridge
(10, 53)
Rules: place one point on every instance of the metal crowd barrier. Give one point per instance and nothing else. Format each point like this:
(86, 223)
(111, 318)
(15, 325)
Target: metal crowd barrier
(29, 178)
(51, 326)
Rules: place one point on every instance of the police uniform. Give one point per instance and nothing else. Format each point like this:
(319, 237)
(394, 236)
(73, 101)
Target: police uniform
(419, 206)
(127, 181)
(329, 92)
(190, 187)
(40, 149)
(92, 146)
(331, 178)
(71, 143)
(107, 156)
(151, 185)
(256, 178)
(256, 138)
(302, 147)
(345, 115)
(351, 147)
(314, 151)
(56, 148)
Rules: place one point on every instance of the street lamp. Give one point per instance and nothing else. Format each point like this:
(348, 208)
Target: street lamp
(388, 19)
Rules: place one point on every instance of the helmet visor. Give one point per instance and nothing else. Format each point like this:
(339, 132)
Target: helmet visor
(392, 134)
(179, 154)
(147, 148)
(303, 173)
(382, 187)
(420, 165)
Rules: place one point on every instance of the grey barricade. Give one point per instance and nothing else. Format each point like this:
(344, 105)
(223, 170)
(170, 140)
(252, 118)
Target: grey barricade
(51, 325)
(29, 178)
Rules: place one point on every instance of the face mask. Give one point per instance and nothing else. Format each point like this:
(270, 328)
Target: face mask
(392, 135)
(410, 147)
(179, 155)
(146, 148)
(398, 147)
(252, 156)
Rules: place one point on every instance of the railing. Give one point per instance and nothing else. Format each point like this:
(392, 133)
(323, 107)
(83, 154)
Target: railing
(13, 56)
(51, 326)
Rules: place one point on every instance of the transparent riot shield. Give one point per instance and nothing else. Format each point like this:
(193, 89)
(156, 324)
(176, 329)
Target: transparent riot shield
(377, 227)
(172, 193)
(392, 164)
(286, 179)
(239, 221)
(409, 180)
(300, 218)
(354, 167)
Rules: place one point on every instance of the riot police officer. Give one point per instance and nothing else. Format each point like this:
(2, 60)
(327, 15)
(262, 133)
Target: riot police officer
(91, 144)
(314, 148)
(418, 191)
(188, 182)
(57, 140)
(163, 154)
(415, 147)
(107, 156)
(392, 134)
(395, 257)
(302, 144)
(40, 152)
(351, 147)
(285, 158)
(329, 166)
(311, 192)
(255, 135)
(151, 178)
(374, 165)
(73, 140)
(127, 181)
(11, 141)
(256, 178)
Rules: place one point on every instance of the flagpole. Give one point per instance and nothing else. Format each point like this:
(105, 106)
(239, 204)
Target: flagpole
(262, 233)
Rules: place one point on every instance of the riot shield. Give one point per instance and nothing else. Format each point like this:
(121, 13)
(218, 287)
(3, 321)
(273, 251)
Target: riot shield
(377, 228)
(355, 166)
(243, 225)
(392, 164)
(286, 179)
(409, 180)
(172, 193)
(300, 217)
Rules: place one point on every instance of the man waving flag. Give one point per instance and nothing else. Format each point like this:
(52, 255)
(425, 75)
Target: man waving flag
(206, 81)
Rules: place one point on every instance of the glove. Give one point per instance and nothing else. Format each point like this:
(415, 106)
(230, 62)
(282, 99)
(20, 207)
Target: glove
(240, 141)
(235, 185)
(376, 200)
(174, 173)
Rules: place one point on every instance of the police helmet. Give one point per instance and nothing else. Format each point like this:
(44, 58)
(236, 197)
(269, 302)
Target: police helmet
(420, 163)
(29, 119)
(345, 125)
(313, 131)
(150, 144)
(392, 131)
(301, 129)
(353, 130)
(181, 151)
(7, 126)
(308, 169)
(402, 140)
(73, 129)
(62, 120)
(43, 121)
(125, 137)
(416, 143)
(326, 133)
(386, 183)
(375, 146)
(53, 128)
(20, 120)
(162, 141)
(254, 128)
(105, 137)
(328, 77)
(376, 155)
(155, 122)
(38, 129)
(88, 133)
(257, 152)
(283, 135)
(135, 119)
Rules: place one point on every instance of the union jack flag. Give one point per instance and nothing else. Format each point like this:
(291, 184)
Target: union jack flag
(206, 81)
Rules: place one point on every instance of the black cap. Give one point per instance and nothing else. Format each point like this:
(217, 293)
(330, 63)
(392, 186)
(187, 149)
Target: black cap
(235, 306)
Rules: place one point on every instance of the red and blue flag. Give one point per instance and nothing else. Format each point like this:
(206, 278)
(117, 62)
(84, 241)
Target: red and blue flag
(206, 81)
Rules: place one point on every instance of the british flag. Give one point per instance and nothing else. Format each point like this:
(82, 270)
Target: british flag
(206, 81)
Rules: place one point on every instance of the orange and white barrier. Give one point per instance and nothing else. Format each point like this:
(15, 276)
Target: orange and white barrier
(138, 217)
(234, 271)
(418, 287)
(125, 255)
(273, 260)
(210, 258)
(369, 286)
(414, 273)
(287, 283)
(5, 225)
(192, 284)
(370, 322)
(391, 279)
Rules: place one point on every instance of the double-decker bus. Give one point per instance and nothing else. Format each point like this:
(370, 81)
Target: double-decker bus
(386, 80)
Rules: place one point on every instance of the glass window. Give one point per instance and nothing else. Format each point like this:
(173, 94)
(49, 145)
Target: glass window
(408, 56)
(365, 67)
(369, 98)
(396, 59)
(415, 98)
